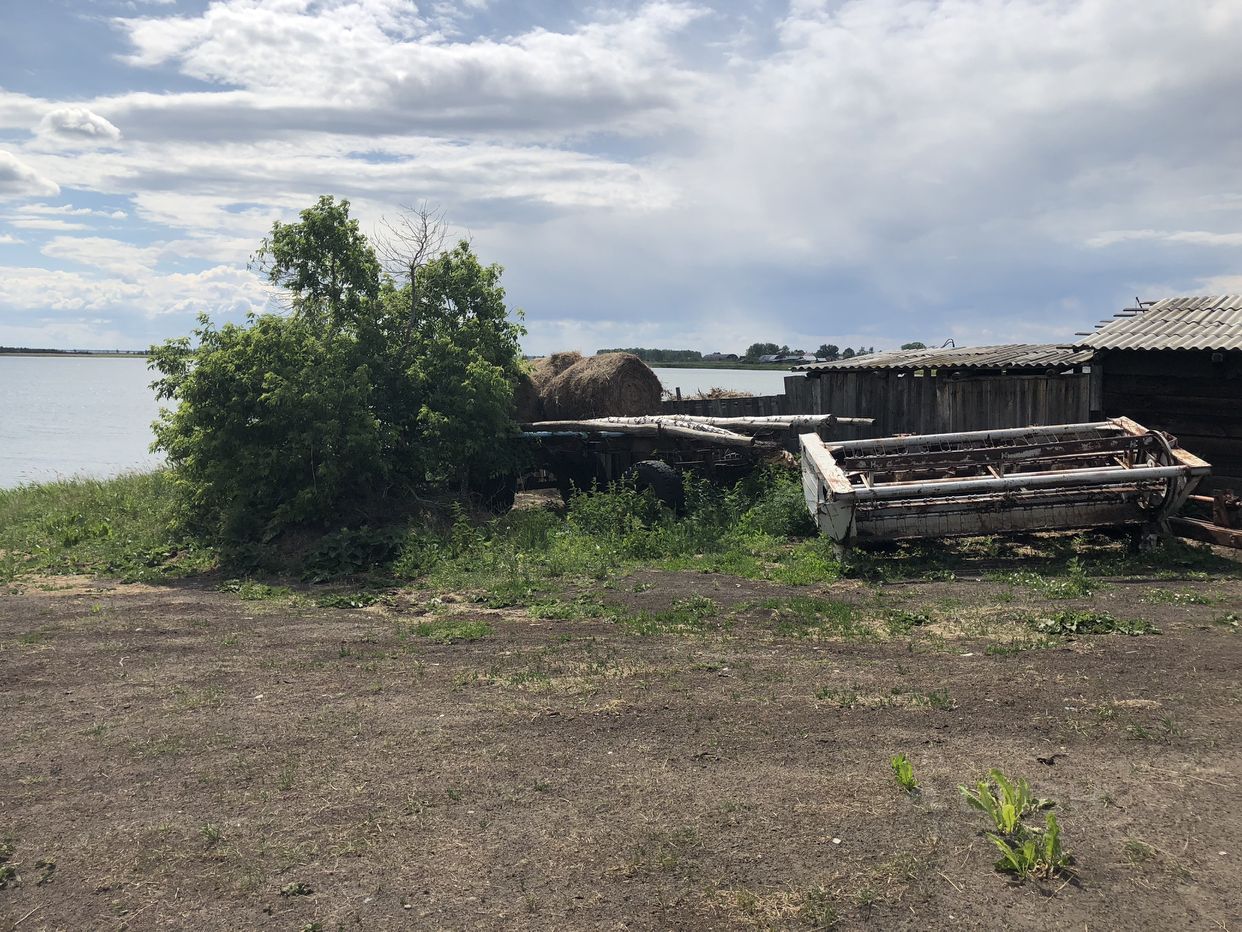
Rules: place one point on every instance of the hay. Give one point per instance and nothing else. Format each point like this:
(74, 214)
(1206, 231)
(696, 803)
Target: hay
(614, 384)
(546, 369)
(526, 400)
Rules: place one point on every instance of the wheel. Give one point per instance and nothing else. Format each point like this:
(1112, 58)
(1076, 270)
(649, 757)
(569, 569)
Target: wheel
(663, 480)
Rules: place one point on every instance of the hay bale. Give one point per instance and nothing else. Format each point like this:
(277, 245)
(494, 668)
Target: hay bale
(614, 384)
(549, 367)
(526, 400)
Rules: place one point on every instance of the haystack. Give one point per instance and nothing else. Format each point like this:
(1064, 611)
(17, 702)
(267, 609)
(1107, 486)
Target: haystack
(526, 400)
(614, 384)
(544, 370)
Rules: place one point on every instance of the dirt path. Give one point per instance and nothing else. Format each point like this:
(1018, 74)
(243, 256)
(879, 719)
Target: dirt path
(177, 757)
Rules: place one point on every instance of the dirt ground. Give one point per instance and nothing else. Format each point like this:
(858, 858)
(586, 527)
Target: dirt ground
(180, 757)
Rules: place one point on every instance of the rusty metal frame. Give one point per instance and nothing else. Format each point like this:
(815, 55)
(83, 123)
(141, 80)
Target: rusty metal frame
(1113, 472)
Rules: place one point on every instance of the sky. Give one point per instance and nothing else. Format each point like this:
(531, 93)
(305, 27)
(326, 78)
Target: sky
(673, 174)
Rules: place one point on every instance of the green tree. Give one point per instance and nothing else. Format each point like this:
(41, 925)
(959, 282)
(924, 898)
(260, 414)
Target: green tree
(339, 412)
(915, 345)
(847, 353)
(324, 262)
(755, 350)
(828, 351)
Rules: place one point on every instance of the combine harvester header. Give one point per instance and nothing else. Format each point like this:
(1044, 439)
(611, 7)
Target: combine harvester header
(1111, 473)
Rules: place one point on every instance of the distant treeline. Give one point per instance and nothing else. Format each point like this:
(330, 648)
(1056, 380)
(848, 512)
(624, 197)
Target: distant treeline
(658, 355)
(42, 351)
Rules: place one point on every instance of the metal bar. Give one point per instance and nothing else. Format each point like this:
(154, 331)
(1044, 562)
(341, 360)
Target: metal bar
(884, 443)
(1083, 477)
(1018, 454)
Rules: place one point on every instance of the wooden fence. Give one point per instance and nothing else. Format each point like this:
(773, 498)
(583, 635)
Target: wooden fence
(904, 403)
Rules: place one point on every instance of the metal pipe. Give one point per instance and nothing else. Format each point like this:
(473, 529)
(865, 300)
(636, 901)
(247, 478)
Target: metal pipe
(1083, 477)
(885, 443)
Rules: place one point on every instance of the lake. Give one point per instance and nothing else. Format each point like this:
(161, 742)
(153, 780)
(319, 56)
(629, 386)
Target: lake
(61, 417)
(755, 381)
(91, 416)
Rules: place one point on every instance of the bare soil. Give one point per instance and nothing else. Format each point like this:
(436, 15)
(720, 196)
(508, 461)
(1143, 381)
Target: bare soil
(177, 757)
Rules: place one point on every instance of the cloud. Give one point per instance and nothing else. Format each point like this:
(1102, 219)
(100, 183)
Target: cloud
(17, 179)
(78, 124)
(1192, 237)
(8, 239)
(375, 66)
(124, 260)
(220, 291)
(41, 223)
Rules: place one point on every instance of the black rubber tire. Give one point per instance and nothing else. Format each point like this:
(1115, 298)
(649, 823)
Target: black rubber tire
(663, 480)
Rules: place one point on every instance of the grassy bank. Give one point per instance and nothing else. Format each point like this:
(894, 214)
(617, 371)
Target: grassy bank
(121, 527)
(127, 528)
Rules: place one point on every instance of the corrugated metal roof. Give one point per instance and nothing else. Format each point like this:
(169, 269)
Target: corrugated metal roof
(1213, 322)
(1038, 356)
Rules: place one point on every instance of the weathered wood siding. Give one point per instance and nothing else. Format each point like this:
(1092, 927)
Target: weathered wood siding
(1185, 393)
(910, 404)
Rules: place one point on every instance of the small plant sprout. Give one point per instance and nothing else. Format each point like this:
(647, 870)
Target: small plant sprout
(903, 772)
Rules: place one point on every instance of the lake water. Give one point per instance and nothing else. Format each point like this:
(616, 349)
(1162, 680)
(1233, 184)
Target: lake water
(91, 416)
(755, 381)
(62, 417)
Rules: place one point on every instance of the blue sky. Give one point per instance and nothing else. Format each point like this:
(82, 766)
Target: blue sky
(665, 173)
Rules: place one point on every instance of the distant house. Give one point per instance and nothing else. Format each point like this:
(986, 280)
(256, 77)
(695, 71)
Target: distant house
(773, 357)
(1176, 365)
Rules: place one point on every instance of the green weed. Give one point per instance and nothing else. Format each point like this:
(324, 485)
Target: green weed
(1070, 623)
(1034, 854)
(810, 616)
(1003, 801)
(449, 630)
(686, 616)
(903, 773)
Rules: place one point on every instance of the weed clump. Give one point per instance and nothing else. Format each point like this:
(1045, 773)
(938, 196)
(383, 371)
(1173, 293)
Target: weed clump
(1025, 851)
(1068, 623)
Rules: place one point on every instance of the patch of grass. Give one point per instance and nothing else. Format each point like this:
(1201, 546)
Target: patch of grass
(125, 527)
(347, 600)
(1018, 645)
(1069, 623)
(686, 616)
(1175, 597)
(1138, 852)
(583, 607)
(900, 621)
(665, 851)
(248, 590)
(449, 630)
(810, 616)
(1076, 585)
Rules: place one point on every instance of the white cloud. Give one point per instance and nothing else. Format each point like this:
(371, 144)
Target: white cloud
(1192, 237)
(39, 223)
(17, 179)
(79, 125)
(374, 65)
(8, 239)
(221, 291)
(111, 255)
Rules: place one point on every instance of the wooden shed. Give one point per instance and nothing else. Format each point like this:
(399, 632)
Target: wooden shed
(951, 389)
(1176, 365)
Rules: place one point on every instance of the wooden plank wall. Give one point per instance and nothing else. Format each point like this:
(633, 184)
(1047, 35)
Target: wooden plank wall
(908, 404)
(1185, 393)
